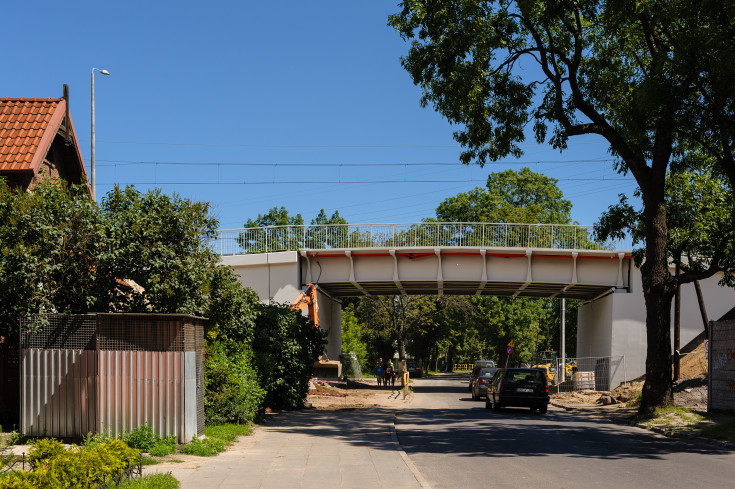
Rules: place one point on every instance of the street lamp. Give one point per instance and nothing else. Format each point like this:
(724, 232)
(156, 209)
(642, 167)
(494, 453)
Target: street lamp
(94, 187)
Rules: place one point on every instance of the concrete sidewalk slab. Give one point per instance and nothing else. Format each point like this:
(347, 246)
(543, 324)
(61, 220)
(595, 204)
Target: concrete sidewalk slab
(307, 449)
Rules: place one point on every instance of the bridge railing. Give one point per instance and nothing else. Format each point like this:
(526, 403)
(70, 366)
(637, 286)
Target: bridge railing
(423, 234)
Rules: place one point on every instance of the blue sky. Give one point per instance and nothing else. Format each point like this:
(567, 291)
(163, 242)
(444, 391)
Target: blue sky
(251, 105)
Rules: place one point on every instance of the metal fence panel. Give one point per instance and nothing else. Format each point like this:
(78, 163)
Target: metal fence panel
(721, 389)
(422, 234)
(59, 392)
(590, 373)
(138, 387)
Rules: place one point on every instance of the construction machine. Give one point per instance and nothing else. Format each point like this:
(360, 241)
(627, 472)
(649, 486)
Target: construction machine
(308, 299)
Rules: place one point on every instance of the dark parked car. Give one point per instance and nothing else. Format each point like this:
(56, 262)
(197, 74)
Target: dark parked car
(482, 380)
(414, 369)
(476, 368)
(523, 387)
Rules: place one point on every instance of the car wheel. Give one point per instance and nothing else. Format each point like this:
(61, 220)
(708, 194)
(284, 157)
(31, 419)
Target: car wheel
(543, 409)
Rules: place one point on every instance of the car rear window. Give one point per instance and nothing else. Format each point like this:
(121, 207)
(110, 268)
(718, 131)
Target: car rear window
(524, 376)
(488, 372)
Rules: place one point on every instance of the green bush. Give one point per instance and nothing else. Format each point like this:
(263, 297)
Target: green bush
(142, 437)
(56, 467)
(286, 345)
(232, 392)
(163, 446)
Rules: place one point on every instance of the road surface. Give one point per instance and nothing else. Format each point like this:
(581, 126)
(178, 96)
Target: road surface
(456, 443)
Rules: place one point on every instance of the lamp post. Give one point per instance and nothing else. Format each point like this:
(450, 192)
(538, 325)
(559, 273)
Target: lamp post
(92, 167)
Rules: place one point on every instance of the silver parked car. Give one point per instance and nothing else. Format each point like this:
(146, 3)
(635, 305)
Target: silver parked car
(479, 385)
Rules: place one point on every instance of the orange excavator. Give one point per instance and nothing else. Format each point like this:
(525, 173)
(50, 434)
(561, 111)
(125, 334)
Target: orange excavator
(307, 298)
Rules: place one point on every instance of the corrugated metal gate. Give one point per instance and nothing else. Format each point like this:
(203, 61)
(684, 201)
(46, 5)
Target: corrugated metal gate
(721, 388)
(107, 373)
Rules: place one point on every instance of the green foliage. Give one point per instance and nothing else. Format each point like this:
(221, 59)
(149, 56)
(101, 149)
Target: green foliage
(152, 481)
(285, 345)
(205, 447)
(232, 392)
(44, 450)
(699, 217)
(164, 446)
(157, 242)
(651, 78)
(227, 432)
(142, 437)
(54, 466)
(54, 253)
(512, 197)
(232, 308)
(353, 339)
(16, 438)
(60, 252)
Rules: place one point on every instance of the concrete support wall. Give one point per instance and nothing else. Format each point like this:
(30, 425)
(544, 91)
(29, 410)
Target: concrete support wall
(275, 277)
(616, 324)
(330, 320)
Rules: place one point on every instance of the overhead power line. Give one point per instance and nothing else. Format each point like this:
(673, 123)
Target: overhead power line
(340, 182)
(346, 165)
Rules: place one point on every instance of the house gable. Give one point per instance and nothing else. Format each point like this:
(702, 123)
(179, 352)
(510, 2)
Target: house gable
(38, 141)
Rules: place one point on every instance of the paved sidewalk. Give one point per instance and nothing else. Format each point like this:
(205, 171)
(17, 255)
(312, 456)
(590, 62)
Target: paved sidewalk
(307, 449)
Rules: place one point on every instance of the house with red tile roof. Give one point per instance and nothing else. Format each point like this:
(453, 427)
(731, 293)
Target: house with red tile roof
(37, 141)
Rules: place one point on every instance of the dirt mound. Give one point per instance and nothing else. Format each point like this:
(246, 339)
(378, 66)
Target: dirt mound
(693, 364)
(355, 395)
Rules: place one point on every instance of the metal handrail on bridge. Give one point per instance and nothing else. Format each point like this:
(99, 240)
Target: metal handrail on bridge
(423, 234)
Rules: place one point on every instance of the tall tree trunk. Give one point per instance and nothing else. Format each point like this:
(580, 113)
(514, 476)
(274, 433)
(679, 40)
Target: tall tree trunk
(658, 291)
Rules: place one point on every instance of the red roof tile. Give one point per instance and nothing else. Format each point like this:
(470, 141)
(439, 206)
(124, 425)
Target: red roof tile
(27, 125)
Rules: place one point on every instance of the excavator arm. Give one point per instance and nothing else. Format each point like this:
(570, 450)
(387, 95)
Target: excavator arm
(307, 298)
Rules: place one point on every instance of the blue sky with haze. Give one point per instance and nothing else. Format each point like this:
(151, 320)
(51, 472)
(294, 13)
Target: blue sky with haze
(251, 105)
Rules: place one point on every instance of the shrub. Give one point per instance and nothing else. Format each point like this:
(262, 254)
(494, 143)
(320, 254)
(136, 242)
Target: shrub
(285, 345)
(55, 466)
(163, 446)
(232, 392)
(141, 438)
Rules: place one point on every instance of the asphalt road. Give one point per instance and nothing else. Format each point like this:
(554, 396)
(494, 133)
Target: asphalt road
(456, 443)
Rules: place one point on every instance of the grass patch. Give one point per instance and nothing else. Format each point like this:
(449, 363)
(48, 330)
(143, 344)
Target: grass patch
(207, 447)
(152, 481)
(218, 436)
(227, 432)
(724, 431)
(146, 460)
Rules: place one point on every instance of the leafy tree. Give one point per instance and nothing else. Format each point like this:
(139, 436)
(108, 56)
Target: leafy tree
(232, 392)
(285, 345)
(55, 255)
(276, 216)
(700, 213)
(353, 339)
(631, 72)
(158, 242)
(512, 197)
